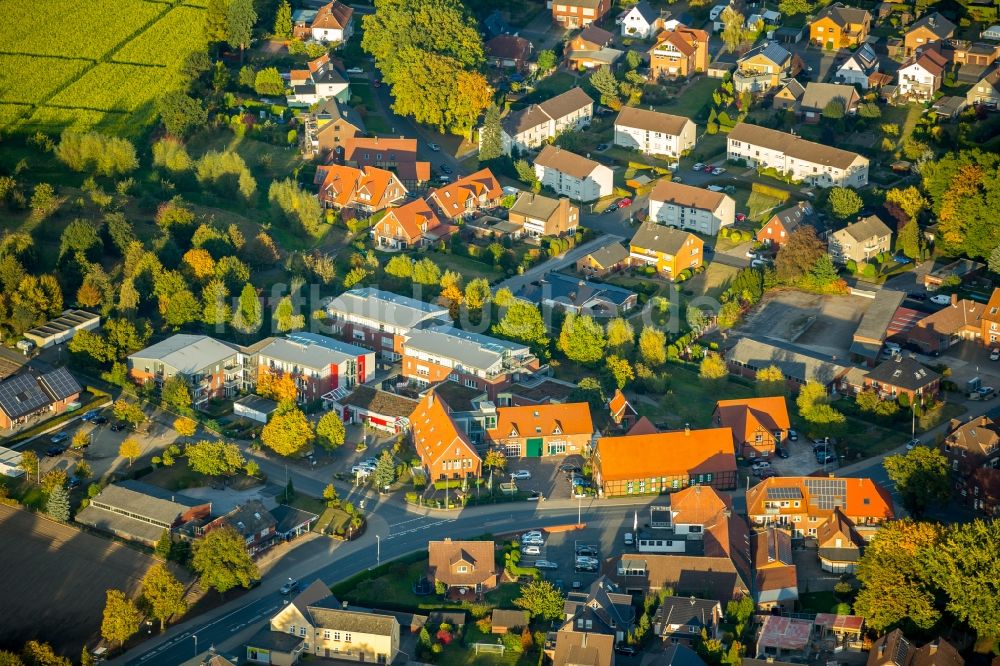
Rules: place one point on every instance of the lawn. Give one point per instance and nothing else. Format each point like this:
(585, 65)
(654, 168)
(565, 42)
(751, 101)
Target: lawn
(761, 206)
(818, 602)
(100, 66)
(690, 399)
(550, 86)
(693, 102)
(463, 652)
(375, 122)
(467, 267)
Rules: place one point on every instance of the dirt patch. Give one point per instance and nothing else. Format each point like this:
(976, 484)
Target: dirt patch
(58, 591)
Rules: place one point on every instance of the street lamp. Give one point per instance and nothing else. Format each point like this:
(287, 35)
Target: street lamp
(195, 637)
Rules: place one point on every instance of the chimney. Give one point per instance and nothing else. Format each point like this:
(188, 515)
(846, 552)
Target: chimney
(687, 429)
(954, 299)
(343, 604)
(984, 421)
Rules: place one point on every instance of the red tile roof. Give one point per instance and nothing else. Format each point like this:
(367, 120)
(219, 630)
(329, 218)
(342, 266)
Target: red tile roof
(466, 193)
(435, 434)
(674, 453)
(414, 219)
(571, 418)
(344, 185)
(335, 15)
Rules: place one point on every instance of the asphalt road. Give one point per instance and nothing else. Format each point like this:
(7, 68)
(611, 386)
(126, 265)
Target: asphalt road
(557, 263)
(331, 561)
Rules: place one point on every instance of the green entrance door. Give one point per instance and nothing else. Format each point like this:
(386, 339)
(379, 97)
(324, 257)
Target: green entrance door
(534, 447)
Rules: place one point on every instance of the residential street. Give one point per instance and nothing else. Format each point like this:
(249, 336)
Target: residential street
(557, 263)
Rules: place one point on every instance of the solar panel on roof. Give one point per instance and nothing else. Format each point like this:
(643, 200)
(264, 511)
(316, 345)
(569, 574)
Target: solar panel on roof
(60, 383)
(784, 493)
(827, 494)
(21, 395)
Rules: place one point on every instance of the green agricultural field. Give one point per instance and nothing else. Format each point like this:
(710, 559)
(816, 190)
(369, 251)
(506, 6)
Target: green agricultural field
(97, 65)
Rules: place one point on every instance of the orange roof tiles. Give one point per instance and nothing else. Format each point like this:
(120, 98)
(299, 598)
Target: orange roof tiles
(381, 150)
(333, 15)
(748, 415)
(675, 453)
(697, 505)
(466, 193)
(862, 497)
(643, 427)
(435, 435)
(572, 418)
(415, 219)
(344, 185)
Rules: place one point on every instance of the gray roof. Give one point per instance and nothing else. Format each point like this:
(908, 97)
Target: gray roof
(646, 11)
(332, 108)
(385, 307)
(818, 95)
(793, 86)
(257, 403)
(842, 14)
(250, 519)
(863, 229)
(116, 523)
(187, 354)
(905, 373)
(561, 105)
(773, 51)
(535, 205)
(653, 236)
(21, 395)
(287, 518)
(610, 254)
(865, 57)
(354, 621)
(574, 290)
(937, 24)
(473, 350)
(840, 554)
(141, 499)
(795, 362)
(876, 320)
(689, 611)
(60, 384)
(64, 322)
(311, 350)
(677, 655)
(793, 216)
(278, 641)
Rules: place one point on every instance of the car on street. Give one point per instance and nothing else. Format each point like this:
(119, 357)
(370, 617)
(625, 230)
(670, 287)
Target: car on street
(601, 146)
(535, 496)
(677, 179)
(521, 474)
(612, 208)
(117, 426)
(532, 550)
(793, 436)
(912, 443)
(569, 467)
(986, 392)
(546, 564)
(995, 354)
(708, 168)
(698, 167)
(59, 437)
(435, 148)
(625, 203)
(90, 415)
(359, 470)
(99, 420)
(629, 539)
(54, 451)
(759, 465)
(74, 483)
(741, 217)
(718, 171)
(291, 586)
(941, 299)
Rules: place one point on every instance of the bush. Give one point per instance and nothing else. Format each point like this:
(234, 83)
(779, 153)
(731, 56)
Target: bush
(770, 191)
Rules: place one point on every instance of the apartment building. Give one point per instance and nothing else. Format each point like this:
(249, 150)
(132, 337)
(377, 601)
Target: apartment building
(445, 449)
(532, 126)
(670, 251)
(381, 320)
(573, 175)
(654, 133)
(209, 367)
(535, 431)
(763, 68)
(814, 163)
(690, 208)
(570, 14)
(540, 216)
(477, 361)
(319, 364)
(860, 241)
(328, 128)
(972, 449)
(365, 190)
(801, 504)
(679, 52)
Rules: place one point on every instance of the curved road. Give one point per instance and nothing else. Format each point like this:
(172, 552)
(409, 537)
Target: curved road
(401, 530)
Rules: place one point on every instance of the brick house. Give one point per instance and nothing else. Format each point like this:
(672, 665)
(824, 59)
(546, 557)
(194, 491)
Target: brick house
(570, 14)
(467, 195)
(623, 414)
(329, 127)
(591, 48)
(680, 52)
(776, 230)
(793, 503)
(839, 544)
(398, 155)
(463, 564)
(536, 431)
(32, 394)
(973, 452)
(252, 521)
(508, 51)
(759, 425)
(991, 320)
(663, 462)
(928, 29)
(838, 26)
(380, 320)
(670, 251)
(365, 190)
(544, 216)
(411, 225)
(208, 366)
(903, 376)
(445, 450)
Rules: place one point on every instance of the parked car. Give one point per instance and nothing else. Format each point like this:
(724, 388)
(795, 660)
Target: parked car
(781, 452)
(587, 562)
(629, 539)
(627, 650)
(708, 168)
(793, 435)
(355, 71)
(88, 415)
(521, 474)
(677, 179)
(625, 203)
(586, 551)
(612, 208)
(698, 167)
(718, 171)
(766, 474)
(291, 586)
(532, 550)
(986, 392)
(741, 217)
(912, 443)
(446, 169)
(759, 465)
(99, 420)
(74, 483)
(902, 259)
(941, 299)
(117, 426)
(54, 451)
(995, 354)
(569, 467)
(546, 564)
(601, 146)
(535, 496)
(435, 148)
(361, 470)
(917, 296)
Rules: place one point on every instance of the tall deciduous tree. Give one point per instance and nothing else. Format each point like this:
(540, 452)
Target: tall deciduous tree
(910, 241)
(121, 617)
(214, 457)
(222, 561)
(289, 432)
(283, 21)
(175, 392)
(620, 333)
(248, 316)
(164, 593)
(581, 339)
(843, 202)
(285, 317)
(541, 599)
(920, 476)
(797, 257)
(277, 386)
(653, 346)
(215, 20)
(733, 31)
(712, 367)
(523, 322)
(36, 653)
(330, 430)
(130, 449)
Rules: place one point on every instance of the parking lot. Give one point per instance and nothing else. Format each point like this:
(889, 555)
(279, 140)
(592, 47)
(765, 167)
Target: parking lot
(546, 477)
(825, 324)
